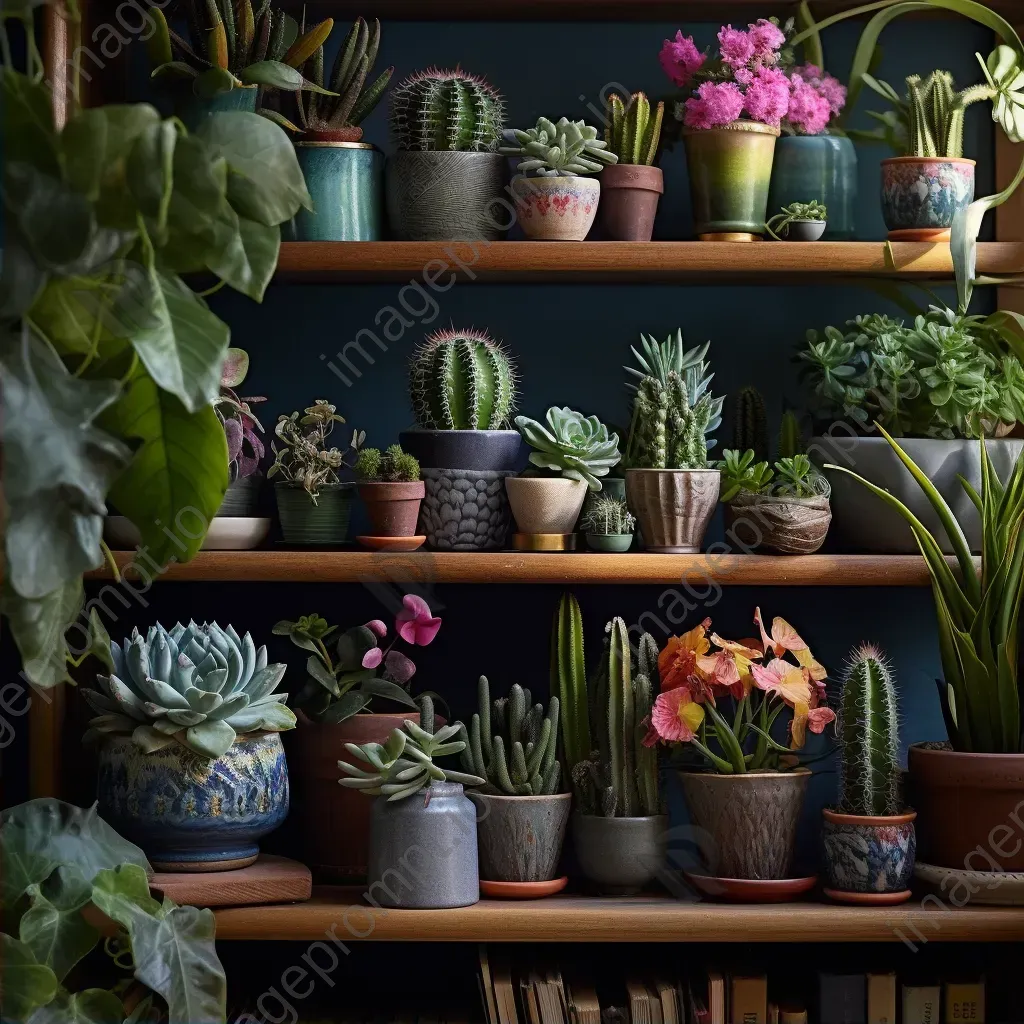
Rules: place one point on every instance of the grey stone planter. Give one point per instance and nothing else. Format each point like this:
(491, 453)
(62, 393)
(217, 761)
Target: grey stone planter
(446, 196)
(423, 852)
(520, 837)
(464, 510)
(478, 450)
(620, 855)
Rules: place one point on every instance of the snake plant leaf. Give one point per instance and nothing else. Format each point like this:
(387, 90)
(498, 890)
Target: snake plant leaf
(53, 926)
(278, 75)
(306, 45)
(26, 983)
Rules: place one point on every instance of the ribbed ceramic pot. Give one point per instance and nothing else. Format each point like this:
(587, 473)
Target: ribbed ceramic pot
(323, 524)
(868, 854)
(548, 505)
(922, 195)
(393, 508)
(730, 170)
(445, 196)
(194, 110)
(463, 449)
(817, 167)
(464, 510)
(423, 851)
(629, 201)
(242, 497)
(190, 813)
(750, 820)
(520, 837)
(620, 855)
(673, 506)
(556, 209)
(787, 526)
(346, 183)
(614, 543)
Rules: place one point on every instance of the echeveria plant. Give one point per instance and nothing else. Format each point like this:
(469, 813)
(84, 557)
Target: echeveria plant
(576, 446)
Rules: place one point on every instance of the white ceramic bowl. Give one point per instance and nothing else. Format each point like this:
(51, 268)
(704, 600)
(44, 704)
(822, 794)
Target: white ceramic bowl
(226, 533)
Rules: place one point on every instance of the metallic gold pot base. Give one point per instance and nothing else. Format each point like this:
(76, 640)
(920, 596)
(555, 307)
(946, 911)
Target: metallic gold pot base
(730, 236)
(544, 541)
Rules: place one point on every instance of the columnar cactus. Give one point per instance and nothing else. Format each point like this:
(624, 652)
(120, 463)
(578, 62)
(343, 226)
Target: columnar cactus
(569, 679)
(667, 432)
(868, 731)
(632, 133)
(750, 424)
(791, 441)
(437, 110)
(462, 380)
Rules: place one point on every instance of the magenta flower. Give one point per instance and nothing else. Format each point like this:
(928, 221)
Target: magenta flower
(373, 657)
(378, 627)
(716, 104)
(809, 111)
(680, 59)
(744, 76)
(767, 96)
(766, 39)
(414, 623)
(399, 667)
(735, 46)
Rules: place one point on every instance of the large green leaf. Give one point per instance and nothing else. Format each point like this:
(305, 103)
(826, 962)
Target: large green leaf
(150, 173)
(38, 625)
(28, 133)
(24, 983)
(248, 257)
(129, 881)
(53, 926)
(92, 1006)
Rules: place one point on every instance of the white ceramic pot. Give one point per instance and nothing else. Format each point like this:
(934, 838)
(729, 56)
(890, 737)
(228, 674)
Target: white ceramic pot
(226, 533)
(556, 209)
(545, 504)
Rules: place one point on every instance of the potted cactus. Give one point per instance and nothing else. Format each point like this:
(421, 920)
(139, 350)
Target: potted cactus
(312, 500)
(555, 190)
(571, 453)
(191, 766)
(344, 175)
(423, 850)
(631, 188)
(513, 745)
(391, 489)
(463, 389)
(445, 180)
(608, 524)
(869, 839)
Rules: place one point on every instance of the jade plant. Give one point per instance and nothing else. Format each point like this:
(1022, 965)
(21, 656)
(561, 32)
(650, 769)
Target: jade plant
(608, 516)
(513, 744)
(245, 449)
(571, 445)
(632, 132)
(389, 466)
(439, 110)
(565, 149)
(778, 226)
(462, 380)
(198, 686)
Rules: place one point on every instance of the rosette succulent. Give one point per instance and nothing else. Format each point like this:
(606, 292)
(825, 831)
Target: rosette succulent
(576, 446)
(566, 149)
(199, 686)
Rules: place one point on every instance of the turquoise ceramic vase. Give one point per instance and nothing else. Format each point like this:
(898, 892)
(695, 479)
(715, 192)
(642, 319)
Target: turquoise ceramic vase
(346, 183)
(194, 110)
(821, 167)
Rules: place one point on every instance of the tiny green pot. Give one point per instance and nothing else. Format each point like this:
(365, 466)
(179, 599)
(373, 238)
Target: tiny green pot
(730, 171)
(324, 524)
(194, 110)
(611, 542)
(346, 183)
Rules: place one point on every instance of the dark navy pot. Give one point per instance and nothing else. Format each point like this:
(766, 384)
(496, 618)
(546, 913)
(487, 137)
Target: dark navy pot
(189, 813)
(868, 859)
(194, 110)
(821, 167)
(346, 183)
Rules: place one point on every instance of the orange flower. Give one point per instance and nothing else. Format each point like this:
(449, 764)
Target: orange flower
(675, 717)
(805, 718)
(678, 661)
(743, 654)
(785, 638)
(720, 669)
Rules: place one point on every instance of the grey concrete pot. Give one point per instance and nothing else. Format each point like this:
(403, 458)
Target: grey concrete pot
(520, 837)
(423, 852)
(673, 506)
(464, 510)
(443, 196)
(620, 855)
(867, 524)
(480, 450)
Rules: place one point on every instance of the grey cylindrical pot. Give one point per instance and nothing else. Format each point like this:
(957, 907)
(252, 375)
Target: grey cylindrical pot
(479, 450)
(423, 853)
(750, 820)
(673, 506)
(346, 183)
(520, 837)
(444, 195)
(325, 523)
(242, 497)
(464, 510)
(620, 855)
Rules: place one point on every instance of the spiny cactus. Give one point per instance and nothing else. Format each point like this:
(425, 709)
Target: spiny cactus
(569, 679)
(563, 149)
(437, 110)
(868, 731)
(632, 133)
(750, 424)
(666, 432)
(462, 380)
(791, 439)
(513, 744)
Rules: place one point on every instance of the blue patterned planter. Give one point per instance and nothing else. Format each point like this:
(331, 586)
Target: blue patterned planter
(821, 167)
(189, 813)
(922, 195)
(868, 859)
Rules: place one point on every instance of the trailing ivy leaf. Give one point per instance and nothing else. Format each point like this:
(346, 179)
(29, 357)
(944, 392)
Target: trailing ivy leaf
(53, 926)
(25, 983)
(38, 626)
(28, 133)
(128, 880)
(150, 172)
(278, 75)
(92, 1006)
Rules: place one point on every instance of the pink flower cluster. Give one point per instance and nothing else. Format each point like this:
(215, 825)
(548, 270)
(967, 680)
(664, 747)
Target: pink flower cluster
(815, 98)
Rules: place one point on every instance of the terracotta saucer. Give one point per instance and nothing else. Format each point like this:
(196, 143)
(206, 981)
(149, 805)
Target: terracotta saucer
(752, 890)
(392, 543)
(523, 890)
(868, 899)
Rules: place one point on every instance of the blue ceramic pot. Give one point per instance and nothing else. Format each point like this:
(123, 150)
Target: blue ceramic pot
(346, 183)
(821, 167)
(189, 813)
(922, 195)
(868, 856)
(193, 110)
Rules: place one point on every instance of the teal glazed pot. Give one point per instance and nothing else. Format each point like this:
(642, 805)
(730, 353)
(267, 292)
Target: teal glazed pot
(324, 524)
(346, 183)
(194, 110)
(821, 167)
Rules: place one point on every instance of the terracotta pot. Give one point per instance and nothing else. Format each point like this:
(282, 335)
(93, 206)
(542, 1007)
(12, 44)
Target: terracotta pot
(922, 195)
(542, 504)
(673, 506)
(629, 201)
(520, 837)
(556, 209)
(970, 808)
(393, 508)
(788, 526)
(871, 854)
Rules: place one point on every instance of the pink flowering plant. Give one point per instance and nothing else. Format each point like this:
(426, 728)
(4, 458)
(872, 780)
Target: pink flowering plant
(365, 664)
(724, 699)
(816, 99)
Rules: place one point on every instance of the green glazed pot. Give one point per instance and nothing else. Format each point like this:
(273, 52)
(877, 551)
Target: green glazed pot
(346, 183)
(730, 171)
(614, 542)
(194, 110)
(821, 167)
(324, 524)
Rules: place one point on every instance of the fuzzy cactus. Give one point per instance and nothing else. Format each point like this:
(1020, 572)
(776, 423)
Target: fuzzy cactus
(750, 424)
(437, 110)
(868, 731)
(462, 380)
(667, 432)
(632, 133)
(791, 441)
(512, 744)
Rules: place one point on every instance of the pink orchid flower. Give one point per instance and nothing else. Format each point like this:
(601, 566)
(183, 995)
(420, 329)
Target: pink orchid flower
(373, 657)
(414, 623)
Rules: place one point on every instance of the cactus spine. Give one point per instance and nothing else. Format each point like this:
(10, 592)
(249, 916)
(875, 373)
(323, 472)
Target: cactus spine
(461, 380)
(791, 441)
(632, 133)
(750, 424)
(868, 731)
(667, 432)
(569, 680)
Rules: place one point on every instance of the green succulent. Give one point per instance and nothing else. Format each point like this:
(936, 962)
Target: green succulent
(196, 685)
(607, 515)
(742, 472)
(566, 149)
(577, 446)
(391, 466)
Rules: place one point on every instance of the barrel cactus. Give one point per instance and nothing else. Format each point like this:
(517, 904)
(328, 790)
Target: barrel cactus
(200, 686)
(868, 732)
(577, 446)
(462, 380)
(750, 424)
(437, 110)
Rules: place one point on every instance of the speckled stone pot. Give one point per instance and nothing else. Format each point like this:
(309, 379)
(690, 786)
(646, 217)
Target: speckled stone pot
(556, 209)
(787, 526)
(464, 510)
(673, 506)
(520, 837)
(545, 504)
(620, 855)
(868, 854)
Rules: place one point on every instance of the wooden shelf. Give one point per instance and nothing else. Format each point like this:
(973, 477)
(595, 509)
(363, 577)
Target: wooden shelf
(629, 262)
(620, 919)
(565, 569)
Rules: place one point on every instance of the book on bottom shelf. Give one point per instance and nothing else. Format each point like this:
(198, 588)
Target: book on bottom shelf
(922, 1004)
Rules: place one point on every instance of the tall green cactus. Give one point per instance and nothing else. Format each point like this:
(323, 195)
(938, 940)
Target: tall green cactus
(621, 722)
(569, 680)
(750, 424)
(667, 432)
(643, 704)
(437, 110)
(791, 440)
(462, 380)
(868, 731)
(632, 133)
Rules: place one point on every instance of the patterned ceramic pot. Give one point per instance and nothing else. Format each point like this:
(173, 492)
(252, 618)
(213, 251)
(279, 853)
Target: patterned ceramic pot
(821, 167)
(464, 510)
(346, 183)
(673, 506)
(189, 813)
(868, 855)
(520, 837)
(556, 209)
(920, 196)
